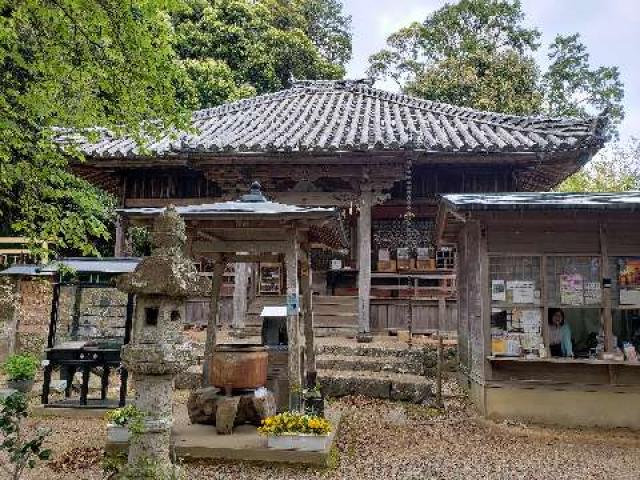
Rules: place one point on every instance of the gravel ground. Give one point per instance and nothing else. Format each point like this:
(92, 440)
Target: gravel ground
(386, 440)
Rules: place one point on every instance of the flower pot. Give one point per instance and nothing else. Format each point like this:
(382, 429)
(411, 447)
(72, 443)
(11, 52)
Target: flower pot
(23, 386)
(117, 433)
(298, 441)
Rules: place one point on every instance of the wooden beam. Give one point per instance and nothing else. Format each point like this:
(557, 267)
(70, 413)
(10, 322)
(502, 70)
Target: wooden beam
(442, 312)
(212, 324)
(364, 260)
(14, 251)
(293, 326)
(607, 320)
(241, 279)
(14, 240)
(261, 257)
(250, 246)
(307, 319)
(485, 297)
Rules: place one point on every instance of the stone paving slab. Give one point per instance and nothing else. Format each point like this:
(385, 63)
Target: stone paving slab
(194, 442)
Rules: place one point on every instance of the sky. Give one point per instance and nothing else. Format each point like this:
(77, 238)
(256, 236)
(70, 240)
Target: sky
(609, 28)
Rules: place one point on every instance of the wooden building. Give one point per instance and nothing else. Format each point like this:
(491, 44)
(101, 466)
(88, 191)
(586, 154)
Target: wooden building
(380, 157)
(532, 266)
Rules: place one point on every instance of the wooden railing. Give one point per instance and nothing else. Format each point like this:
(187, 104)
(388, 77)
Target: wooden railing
(14, 250)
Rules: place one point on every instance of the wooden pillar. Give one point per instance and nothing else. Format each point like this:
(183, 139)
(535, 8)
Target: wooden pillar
(293, 325)
(307, 319)
(607, 320)
(241, 279)
(442, 312)
(364, 260)
(216, 285)
(120, 237)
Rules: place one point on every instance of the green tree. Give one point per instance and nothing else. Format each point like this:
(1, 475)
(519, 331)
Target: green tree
(328, 28)
(76, 63)
(236, 48)
(615, 169)
(573, 88)
(478, 54)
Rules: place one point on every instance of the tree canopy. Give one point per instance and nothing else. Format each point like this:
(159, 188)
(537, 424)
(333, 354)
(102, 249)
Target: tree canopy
(479, 54)
(86, 63)
(237, 48)
(615, 169)
(75, 63)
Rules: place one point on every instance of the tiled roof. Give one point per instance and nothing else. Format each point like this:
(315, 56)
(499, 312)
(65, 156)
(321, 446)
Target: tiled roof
(352, 116)
(543, 201)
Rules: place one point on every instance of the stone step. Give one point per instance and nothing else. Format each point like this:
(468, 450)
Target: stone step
(372, 364)
(372, 349)
(345, 331)
(394, 386)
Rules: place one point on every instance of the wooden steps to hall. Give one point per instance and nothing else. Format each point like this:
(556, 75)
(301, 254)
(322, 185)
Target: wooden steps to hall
(332, 315)
(335, 316)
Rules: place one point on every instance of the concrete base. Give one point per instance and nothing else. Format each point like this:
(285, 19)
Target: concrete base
(192, 442)
(573, 408)
(73, 411)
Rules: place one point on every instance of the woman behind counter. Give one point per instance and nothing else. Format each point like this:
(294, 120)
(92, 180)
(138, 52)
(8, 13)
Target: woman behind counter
(559, 334)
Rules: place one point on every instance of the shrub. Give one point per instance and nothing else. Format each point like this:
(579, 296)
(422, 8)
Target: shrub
(22, 451)
(21, 367)
(129, 416)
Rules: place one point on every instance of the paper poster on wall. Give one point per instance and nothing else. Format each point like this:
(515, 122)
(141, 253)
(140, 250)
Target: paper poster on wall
(530, 320)
(629, 280)
(498, 291)
(571, 289)
(521, 291)
(592, 293)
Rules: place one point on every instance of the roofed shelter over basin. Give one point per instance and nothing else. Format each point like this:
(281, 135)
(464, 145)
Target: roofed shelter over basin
(253, 229)
(379, 157)
(549, 304)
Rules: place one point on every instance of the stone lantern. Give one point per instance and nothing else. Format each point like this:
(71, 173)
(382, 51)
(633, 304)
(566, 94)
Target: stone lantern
(156, 353)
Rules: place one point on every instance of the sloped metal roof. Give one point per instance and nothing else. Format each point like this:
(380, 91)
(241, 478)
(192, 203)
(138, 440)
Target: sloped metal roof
(352, 116)
(26, 270)
(543, 201)
(253, 203)
(95, 265)
(235, 208)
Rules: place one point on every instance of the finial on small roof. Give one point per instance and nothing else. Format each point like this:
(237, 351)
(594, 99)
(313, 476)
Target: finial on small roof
(255, 194)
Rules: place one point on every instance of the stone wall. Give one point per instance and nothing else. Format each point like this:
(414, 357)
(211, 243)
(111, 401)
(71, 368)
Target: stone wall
(100, 312)
(25, 310)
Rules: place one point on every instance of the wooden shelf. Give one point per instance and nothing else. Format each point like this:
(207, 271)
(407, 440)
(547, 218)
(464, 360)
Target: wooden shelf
(431, 275)
(569, 361)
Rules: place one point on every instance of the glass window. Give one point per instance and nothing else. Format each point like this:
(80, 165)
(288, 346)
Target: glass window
(516, 332)
(626, 332)
(516, 319)
(515, 280)
(625, 301)
(574, 281)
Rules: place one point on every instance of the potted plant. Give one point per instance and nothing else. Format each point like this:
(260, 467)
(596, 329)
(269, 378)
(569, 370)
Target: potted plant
(21, 371)
(123, 422)
(296, 431)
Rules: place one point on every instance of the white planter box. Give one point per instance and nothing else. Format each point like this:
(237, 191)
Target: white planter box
(300, 441)
(117, 434)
